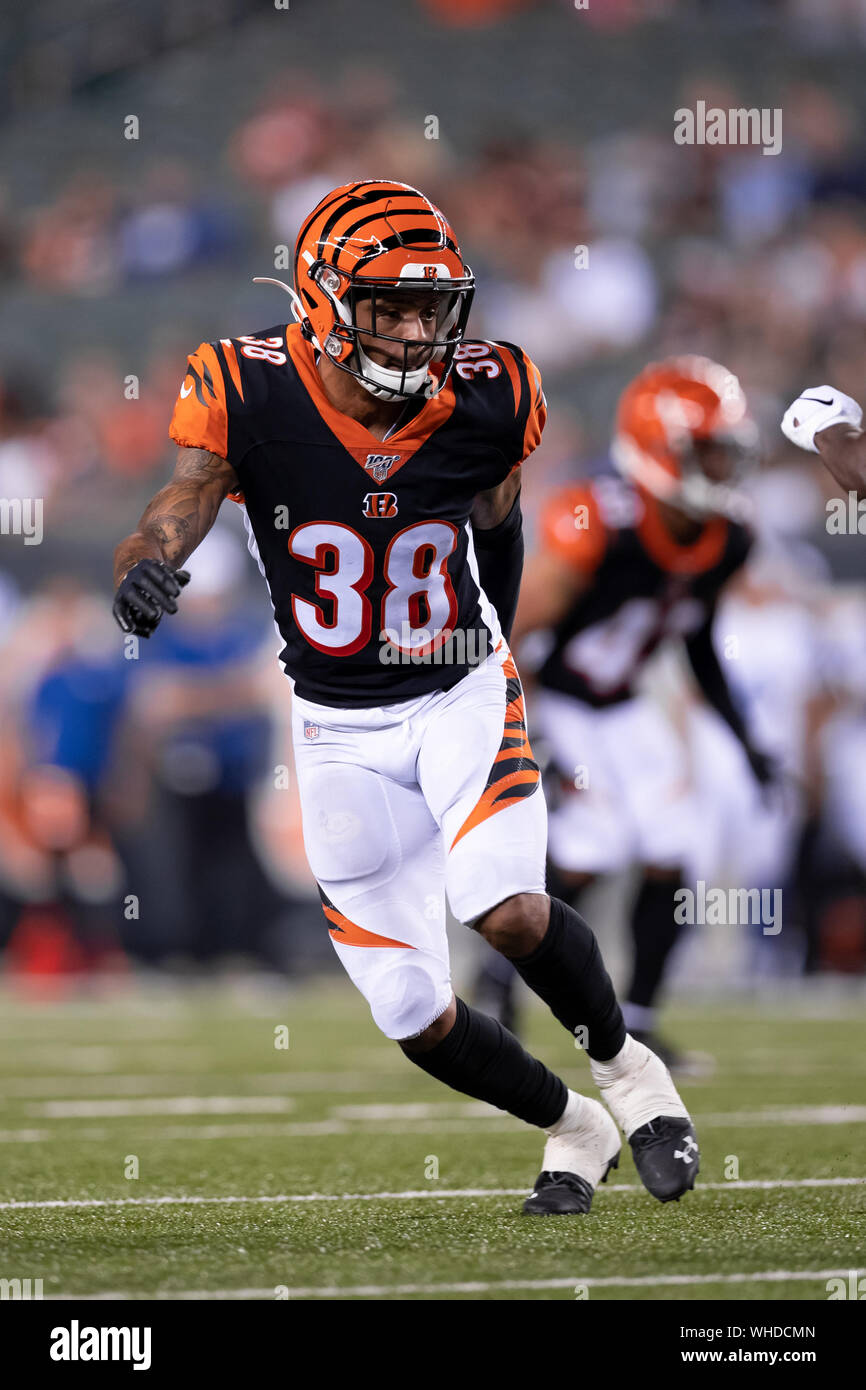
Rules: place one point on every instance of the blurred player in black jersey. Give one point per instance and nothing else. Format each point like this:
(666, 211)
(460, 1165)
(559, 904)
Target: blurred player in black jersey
(621, 566)
(376, 452)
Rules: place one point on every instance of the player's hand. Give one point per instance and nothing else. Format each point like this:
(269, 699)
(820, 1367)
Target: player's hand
(145, 592)
(817, 409)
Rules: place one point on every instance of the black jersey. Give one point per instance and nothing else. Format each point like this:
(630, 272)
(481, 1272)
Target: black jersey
(643, 586)
(365, 544)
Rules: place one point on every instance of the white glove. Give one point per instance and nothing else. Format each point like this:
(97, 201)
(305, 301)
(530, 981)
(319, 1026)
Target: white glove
(817, 409)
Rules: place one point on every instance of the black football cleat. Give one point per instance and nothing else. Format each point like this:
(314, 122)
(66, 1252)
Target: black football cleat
(666, 1156)
(559, 1194)
(563, 1194)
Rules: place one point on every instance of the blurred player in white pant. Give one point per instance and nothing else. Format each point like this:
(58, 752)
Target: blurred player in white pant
(621, 567)
(769, 624)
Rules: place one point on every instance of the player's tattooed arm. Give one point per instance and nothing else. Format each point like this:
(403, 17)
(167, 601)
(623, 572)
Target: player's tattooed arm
(550, 588)
(843, 449)
(179, 516)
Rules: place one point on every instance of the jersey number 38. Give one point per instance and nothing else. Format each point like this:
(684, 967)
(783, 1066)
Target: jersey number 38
(418, 609)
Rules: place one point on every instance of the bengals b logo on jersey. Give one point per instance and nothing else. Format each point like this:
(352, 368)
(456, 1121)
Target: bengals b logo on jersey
(380, 504)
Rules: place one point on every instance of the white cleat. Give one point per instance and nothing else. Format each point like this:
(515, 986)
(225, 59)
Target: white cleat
(580, 1151)
(639, 1091)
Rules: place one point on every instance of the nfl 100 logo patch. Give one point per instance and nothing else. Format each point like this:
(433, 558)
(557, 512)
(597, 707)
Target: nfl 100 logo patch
(380, 465)
(311, 730)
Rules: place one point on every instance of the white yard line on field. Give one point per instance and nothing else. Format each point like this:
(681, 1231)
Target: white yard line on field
(178, 1055)
(750, 1184)
(378, 1120)
(781, 1115)
(648, 1281)
(144, 1083)
(163, 1105)
(792, 1115)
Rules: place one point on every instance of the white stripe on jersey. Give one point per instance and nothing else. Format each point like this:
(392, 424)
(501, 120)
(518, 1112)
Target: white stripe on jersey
(488, 612)
(253, 548)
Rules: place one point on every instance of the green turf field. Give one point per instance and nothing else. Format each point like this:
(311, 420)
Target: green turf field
(326, 1169)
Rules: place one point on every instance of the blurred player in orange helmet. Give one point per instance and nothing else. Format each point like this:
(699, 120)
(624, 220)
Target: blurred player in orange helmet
(622, 565)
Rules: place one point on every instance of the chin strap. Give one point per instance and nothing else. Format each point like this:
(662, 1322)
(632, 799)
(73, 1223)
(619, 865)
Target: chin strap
(373, 374)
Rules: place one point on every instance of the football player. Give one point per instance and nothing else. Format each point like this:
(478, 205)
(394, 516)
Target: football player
(827, 422)
(376, 452)
(623, 564)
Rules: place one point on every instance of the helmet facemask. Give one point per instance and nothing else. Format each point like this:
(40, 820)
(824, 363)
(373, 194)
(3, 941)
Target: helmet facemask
(713, 471)
(407, 375)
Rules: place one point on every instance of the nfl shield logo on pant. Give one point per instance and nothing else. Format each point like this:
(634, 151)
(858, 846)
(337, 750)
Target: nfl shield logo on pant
(310, 730)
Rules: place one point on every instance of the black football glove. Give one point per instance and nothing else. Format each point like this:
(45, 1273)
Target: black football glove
(145, 592)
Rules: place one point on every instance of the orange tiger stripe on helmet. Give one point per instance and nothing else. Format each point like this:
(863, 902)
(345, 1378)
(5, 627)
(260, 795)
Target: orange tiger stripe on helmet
(664, 413)
(376, 231)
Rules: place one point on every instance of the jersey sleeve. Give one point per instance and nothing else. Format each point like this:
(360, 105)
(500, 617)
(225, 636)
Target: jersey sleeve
(530, 406)
(572, 528)
(200, 417)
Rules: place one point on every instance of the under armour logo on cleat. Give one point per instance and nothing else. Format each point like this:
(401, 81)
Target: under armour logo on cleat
(685, 1153)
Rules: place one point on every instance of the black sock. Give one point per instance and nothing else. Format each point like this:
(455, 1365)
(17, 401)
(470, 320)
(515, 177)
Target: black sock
(482, 1059)
(655, 933)
(566, 971)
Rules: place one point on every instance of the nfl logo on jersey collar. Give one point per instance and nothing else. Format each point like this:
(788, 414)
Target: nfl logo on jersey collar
(380, 465)
(311, 730)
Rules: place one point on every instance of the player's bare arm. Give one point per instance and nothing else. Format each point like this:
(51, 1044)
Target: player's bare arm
(549, 589)
(147, 573)
(827, 422)
(843, 450)
(492, 507)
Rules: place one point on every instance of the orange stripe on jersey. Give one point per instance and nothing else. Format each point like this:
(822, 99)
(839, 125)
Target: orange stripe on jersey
(200, 418)
(514, 774)
(348, 933)
(511, 367)
(231, 357)
(516, 359)
(537, 414)
(571, 527)
(355, 438)
(697, 557)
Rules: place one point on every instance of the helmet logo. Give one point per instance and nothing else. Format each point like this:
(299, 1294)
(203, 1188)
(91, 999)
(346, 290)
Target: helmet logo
(431, 272)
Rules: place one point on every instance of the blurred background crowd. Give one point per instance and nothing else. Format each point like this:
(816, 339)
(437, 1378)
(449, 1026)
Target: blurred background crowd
(154, 159)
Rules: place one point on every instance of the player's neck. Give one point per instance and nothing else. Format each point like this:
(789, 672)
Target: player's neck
(351, 398)
(681, 527)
